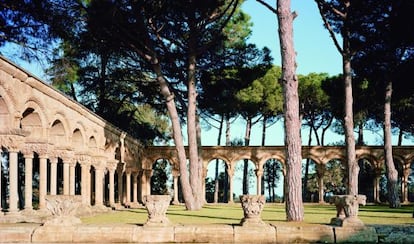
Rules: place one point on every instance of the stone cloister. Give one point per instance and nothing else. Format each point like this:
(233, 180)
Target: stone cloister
(63, 148)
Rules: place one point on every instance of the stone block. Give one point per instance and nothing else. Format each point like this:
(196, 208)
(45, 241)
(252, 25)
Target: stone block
(154, 234)
(112, 233)
(53, 234)
(16, 233)
(204, 233)
(255, 234)
(355, 235)
(304, 234)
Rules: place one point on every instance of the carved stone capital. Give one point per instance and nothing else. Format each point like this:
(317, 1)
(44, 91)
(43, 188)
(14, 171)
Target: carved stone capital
(157, 206)
(13, 143)
(252, 208)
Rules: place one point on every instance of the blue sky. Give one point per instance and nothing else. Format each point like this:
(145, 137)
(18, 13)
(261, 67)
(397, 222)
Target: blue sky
(313, 45)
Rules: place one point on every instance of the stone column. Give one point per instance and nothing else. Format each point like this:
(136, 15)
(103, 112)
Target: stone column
(86, 183)
(111, 187)
(42, 181)
(230, 174)
(259, 174)
(72, 178)
(128, 186)
(28, 180)
(203, 185)
(176, 174)
(404, 183)
(65, 177)
(320, 171)
(99, 170)
(377, 187)
(120, 187)
(135, 187)
(13, 178)
(53, 175)
(148, 174)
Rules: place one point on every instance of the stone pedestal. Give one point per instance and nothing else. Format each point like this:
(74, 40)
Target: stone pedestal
(347, 207)
(157, 206)
(63, 209)
(252, 208)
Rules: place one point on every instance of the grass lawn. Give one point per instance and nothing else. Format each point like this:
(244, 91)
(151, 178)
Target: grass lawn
(272, 213)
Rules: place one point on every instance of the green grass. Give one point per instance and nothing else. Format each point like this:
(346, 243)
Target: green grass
(272, 213)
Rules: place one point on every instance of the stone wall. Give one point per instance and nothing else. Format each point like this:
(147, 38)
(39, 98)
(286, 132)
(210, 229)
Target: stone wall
(126, 233)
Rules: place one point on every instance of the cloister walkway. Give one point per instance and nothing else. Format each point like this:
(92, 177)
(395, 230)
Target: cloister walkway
(53, 145)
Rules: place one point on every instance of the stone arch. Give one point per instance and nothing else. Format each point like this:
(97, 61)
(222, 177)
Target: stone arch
(310, 178)
(217, 180)
(58, 133)
(92, 145)
(273, 179)
(31, 121)
(78, 143)
(367, 176)
(5, 118)
(334, 177)
(162, 169)
(217, 156)
(239, 164)
(10, 101)
(278, 156)
(38, 108)
(80, 126)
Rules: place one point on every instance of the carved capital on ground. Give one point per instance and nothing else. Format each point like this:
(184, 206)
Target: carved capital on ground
(347, 207)
(157, 206)
(252, 208)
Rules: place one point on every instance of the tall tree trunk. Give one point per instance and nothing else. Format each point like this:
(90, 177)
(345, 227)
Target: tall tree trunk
(400, 137)
(228, 136)
(346, 53)
(392, 173)
(360, 141)
(324, 131)
(196, 174)
(293, 193)
(216, 180)
(246, 161)
(264, 130)
(353, 168)
(177, 135)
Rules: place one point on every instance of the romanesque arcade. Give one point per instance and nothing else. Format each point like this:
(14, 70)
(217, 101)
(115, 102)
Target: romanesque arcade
(53, 145)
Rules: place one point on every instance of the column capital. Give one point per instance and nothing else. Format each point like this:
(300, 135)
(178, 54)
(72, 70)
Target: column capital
(13, 143)
(99, 161)
(259, 172)
(175, 173)
(112, 164)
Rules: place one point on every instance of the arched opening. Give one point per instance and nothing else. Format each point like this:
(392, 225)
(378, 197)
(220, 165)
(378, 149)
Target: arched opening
(334, 179)
(309, 181)
(161, 179)
(93, 185)
(57, 133)
(410, 183)
(272, 180)
(217, 182)
(31, 122)
(77, 141)
(4, 114)
(78, 179)
(366, 179)
(244, 179)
